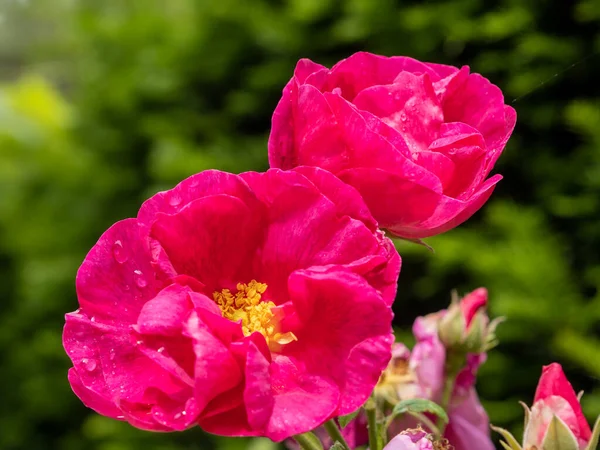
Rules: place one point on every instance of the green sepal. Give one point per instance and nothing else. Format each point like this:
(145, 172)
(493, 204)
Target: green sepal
(593, 444)
(419, 405)
(527, 413)
(309, 440)
(559, 436)
(511, 443)
(336, 446)
(345, 420)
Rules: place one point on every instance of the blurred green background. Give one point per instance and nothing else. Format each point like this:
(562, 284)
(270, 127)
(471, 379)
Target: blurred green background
(104, 103)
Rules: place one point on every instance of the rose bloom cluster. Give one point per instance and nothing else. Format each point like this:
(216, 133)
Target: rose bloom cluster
(260, 304)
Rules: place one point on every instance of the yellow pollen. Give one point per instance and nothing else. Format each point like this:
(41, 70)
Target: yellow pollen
(247, 306)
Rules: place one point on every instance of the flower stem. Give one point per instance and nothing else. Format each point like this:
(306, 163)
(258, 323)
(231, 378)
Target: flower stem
(374, 439)
(308, 441)
(446, 397)
(335, 433)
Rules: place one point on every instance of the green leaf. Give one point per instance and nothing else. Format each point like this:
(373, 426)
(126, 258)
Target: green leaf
(420, 405)
(345, 420)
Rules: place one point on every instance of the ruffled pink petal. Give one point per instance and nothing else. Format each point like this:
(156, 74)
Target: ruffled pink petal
(398, 204)
(116, 277)
(317, 136)
(347, 199)
(305, 68)
(165, 313)
(80, 337)
(469, 426)
(211, 239)
(465, 147)
(477, 102)
(258, 396)
(203, 184)
(449, 213)
(346, 332)
(554, 382)
(99, 402)
(362, 70)
(293, 385)
(306, 232)
(410, 106)
(369, 142)
(427, 360)
(281, 145)
(216, 370)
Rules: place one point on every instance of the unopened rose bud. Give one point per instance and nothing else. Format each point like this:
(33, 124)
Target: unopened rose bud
(466, 328)
(556, 420)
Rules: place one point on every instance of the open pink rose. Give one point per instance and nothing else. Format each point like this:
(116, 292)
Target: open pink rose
(252, 305)
(555, 397)
(418, 140)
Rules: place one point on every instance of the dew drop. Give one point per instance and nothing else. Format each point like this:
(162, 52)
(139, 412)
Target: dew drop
(175, 200)
(93, 319)
(403, 117)
(139, 342)
(118, 252)
(111, 354)
(160, 350)
(139, 279)
(89, 364)
(177, 416)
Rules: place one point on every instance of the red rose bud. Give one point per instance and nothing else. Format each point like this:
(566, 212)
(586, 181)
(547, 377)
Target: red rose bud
(466, 327)
(556, 420)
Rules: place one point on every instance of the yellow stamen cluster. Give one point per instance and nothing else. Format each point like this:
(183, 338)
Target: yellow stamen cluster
(247, 306)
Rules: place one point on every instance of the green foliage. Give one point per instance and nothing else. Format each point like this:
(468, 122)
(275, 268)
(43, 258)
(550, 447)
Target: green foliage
(104, 103)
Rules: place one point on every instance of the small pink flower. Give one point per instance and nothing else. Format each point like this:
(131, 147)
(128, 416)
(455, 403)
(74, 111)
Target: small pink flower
(421, 374)
(418, 140)
(252, 305)
(555, 397)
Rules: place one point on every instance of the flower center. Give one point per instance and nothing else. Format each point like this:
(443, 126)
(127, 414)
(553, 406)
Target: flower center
(247, 306)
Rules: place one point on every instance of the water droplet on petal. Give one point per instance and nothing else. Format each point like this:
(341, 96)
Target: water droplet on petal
(139, 279)
(177, 416)
(111, 354)
(174, 200)
(90, 365)
(118, 252)
(93, 319)
(160, 350)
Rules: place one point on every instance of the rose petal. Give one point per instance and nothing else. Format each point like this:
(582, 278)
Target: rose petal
(211, 239)
(116, 277)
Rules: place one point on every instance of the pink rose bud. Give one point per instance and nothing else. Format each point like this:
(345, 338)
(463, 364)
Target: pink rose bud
(556, 420)
(418, 140)
(466, 327)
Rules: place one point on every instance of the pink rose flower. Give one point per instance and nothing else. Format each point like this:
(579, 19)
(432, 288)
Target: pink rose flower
(251, 305)
(418, 140)
(555, 397)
